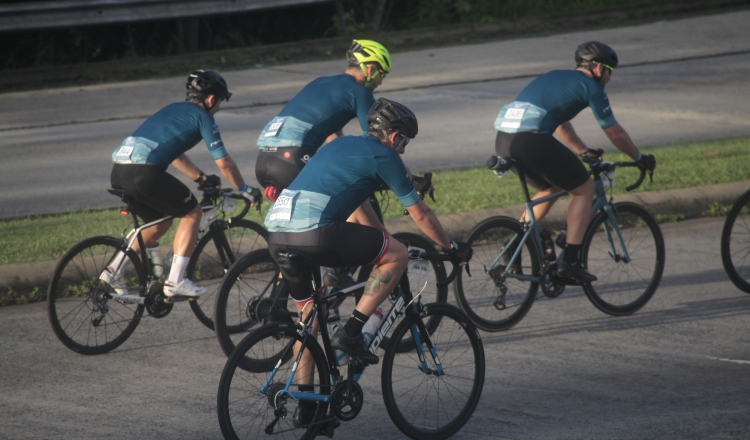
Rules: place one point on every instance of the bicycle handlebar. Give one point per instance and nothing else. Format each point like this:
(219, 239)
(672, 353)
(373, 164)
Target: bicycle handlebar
(210, 194)
(415, 254)
(597, 167)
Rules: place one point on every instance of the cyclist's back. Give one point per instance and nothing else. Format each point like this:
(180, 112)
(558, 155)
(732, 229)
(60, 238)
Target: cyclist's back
(318, 113)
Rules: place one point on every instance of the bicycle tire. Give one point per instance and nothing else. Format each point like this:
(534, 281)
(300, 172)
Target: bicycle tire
(481, 296)
(80, 307)
(208, 265)
(434, 406)
(245, 296)
(622, 288)
(244, 410)
(735, 243)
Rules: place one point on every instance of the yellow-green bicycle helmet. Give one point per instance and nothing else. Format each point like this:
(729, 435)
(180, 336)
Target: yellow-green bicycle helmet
(363, 52)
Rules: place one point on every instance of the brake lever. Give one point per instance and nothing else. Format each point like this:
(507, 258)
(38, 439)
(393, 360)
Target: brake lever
(467, 269)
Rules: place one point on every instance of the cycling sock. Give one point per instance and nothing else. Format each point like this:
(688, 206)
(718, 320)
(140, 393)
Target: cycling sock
(179, 264)
(354, 324)
(571, 253)
(120, 264)
(305, 388)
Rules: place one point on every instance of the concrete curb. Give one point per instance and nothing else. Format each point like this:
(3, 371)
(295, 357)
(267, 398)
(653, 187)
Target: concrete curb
(688, 202)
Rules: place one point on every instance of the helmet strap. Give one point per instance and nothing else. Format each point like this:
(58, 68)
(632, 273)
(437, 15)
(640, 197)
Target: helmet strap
(368, 78)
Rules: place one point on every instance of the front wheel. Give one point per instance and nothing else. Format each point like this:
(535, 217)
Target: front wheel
(492, 299)
(219, 248)
(735, 243)
(629, 276)
(254, 404)
(88, 314)
(431, 391)
(251, 294)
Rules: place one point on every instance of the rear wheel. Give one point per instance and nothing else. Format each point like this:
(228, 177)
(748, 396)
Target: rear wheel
(251, 294)
(492, 299)
(88, 314)
(219, 248)
(253, 404)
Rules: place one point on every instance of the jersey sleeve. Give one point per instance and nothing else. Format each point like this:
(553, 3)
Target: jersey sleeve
(393, 172)
(212, 137)
(599, 103)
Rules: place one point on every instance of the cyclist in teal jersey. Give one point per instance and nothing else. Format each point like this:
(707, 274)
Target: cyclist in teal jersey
(545, 107)
(309, 219)
(140, 168)
(318, 114)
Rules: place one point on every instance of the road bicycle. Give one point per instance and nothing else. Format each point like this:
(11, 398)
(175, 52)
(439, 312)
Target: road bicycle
(735, 243)
(93, 316)
(252, 293)
(432, 370)
(623, 246)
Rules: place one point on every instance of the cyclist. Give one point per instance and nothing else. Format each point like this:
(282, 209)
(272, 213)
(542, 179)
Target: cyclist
(545, 107)
(309, 219)
(140, 168)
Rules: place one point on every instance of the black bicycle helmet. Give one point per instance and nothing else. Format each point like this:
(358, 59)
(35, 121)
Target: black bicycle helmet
(390, 115)
(202, 83)
(592, 52)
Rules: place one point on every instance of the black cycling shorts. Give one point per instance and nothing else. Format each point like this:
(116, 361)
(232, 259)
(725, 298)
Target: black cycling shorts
(545, 160)
(155, 192)
(279, 166)
(337, 244)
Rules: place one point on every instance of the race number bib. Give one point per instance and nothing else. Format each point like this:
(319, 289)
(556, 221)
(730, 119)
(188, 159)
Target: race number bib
(275, 126)
(513, 115)
(282, 208)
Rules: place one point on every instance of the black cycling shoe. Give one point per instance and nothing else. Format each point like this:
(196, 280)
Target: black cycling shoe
(304, 414)
(574, 272)
(514, 268)
(354, 346)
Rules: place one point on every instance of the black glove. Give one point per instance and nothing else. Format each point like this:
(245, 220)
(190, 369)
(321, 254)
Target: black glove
(210, 181)
(423, 185)
(646, 162)
(460, 251)
(591, 154)
(253, 195)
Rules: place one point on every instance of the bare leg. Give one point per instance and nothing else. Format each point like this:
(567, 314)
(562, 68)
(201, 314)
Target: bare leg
(541, 210)
(579, 211)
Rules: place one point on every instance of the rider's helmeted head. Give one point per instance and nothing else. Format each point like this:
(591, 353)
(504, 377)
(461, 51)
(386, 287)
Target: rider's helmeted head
(365, 52)
(202, 83)
(588, 55)
(386, 117)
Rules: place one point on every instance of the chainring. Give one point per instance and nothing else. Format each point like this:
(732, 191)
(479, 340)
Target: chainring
(552, 287)
(339, 402)
(156, 305)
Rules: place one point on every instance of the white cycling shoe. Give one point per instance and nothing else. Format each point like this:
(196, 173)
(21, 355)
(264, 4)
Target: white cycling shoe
(116, 282)
(183, 288)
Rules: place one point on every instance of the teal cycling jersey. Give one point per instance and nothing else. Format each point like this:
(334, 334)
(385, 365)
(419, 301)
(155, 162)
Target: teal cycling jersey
(552, 99)
(338, 179)
(320, 109)
(168, 134)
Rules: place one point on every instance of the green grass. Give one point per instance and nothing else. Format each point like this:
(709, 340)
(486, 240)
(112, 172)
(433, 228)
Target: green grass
(680, 165)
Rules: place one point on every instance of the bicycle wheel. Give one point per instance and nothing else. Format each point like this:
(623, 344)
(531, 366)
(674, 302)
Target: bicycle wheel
(624, 285)
(84, 311)
(429, 401)
(735, 243)
(213, 256)
(246, 296)
(492, 300)
(249, 406)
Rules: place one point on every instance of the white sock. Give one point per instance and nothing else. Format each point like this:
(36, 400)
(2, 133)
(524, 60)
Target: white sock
(179, 264)
(120, 263)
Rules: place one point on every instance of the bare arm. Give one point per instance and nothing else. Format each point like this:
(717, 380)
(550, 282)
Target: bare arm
(187, 167)
(428, 223)
(568, 135)
(621, 139)
(230, 170)
(365, 215)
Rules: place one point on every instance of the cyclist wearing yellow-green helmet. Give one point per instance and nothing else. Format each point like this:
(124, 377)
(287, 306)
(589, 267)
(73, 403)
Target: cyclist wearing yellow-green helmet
(371, 57)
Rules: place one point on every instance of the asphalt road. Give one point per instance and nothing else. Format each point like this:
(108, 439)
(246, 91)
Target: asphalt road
(678, 369)
(678, 80)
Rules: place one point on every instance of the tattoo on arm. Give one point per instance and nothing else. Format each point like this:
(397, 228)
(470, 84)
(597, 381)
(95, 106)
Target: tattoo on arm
(377, 280)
